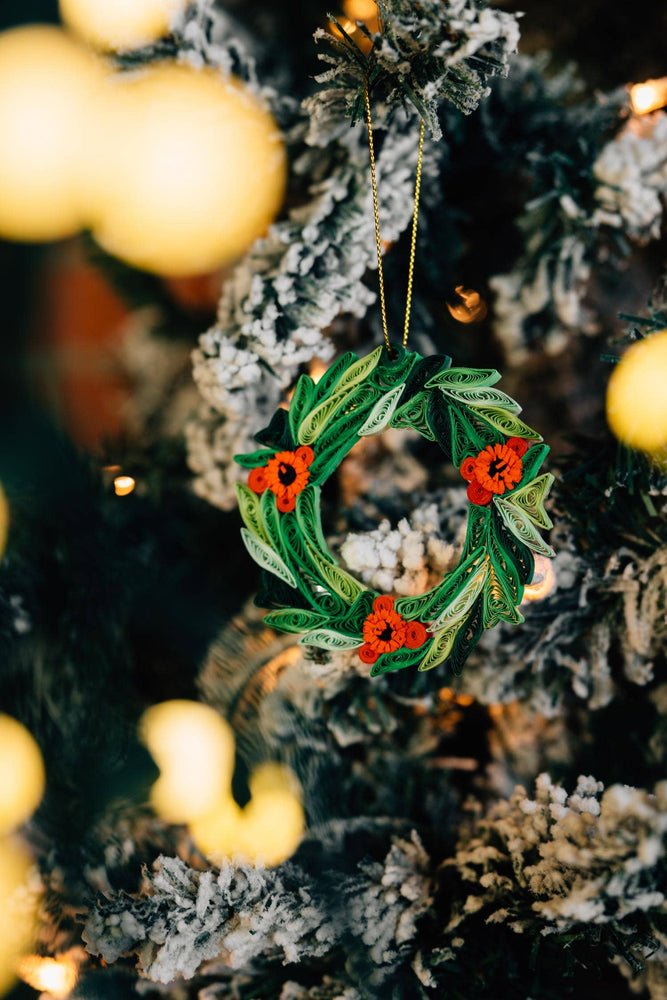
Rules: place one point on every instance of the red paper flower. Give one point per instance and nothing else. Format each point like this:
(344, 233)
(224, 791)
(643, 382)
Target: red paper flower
(415, 635)
(497, 468)
(286, 475)
(385, 631)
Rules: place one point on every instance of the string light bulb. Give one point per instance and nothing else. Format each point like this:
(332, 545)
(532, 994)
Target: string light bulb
(267, 831)
(470, 309)
(188, 170)
(21, 774)
(194, 749)
(636, 396)
(120, 24)
(48, 86)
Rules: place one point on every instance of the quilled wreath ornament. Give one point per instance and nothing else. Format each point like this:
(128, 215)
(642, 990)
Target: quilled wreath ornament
(498, 456)
(476, 426)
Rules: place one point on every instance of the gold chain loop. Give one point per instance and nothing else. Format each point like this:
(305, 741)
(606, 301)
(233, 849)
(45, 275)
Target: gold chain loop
(378, 241)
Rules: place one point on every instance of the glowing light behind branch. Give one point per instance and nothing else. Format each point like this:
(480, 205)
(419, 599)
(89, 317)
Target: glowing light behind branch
(55, 976)
(649, 96)
(471, 308)
(543, 582)
(194, 749)
(123, 485)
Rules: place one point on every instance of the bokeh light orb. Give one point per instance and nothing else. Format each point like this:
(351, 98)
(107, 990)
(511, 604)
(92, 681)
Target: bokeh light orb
(21, 774)
(17, 910)
(194, 749)
(267, 831)
(120, 24)
(190, 170)
(637, 395)
(47, 88)
(4, 521)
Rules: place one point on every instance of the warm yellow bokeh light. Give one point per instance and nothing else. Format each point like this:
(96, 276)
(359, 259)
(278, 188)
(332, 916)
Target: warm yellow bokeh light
(648, 96)
(471, 308)
(363, 10)
(188, 170)
(21, 774)
(4, 521)
(17, 910)
(47, 86)
(194, 749)
(543, 581)
(56, 976)
(267, 831)
(120, 24)
(123, 485)
(273, 820)
(637, 397)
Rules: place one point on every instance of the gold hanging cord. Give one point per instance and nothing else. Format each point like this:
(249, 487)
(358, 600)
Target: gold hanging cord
(376, 214)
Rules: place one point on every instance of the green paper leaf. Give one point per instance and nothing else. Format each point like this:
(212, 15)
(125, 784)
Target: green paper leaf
(249, 508)
(358, 371)
(295, 620)
(314, 423)
(327, 383)
(530, 498)
(466, 439)
(310, 522)
(335, 578)
(265, 557)
(441, 646)
(326, 638)
(254, 459)
(459, 378)
(304, 392)
(521, 526)
(413, 415)
(484, 396)
(506, 422)
(382, 412)
(533, 459)
(463, 601)
(399, 660)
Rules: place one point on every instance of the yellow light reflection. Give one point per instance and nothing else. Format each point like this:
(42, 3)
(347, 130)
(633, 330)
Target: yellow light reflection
(316, 369)
(56, 976)
(471, 308)
(543, 582)
(649, 96)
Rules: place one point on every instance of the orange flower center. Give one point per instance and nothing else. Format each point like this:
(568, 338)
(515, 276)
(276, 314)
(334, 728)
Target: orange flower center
(498, 468)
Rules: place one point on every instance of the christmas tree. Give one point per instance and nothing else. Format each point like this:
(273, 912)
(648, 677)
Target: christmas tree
(419, 750)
